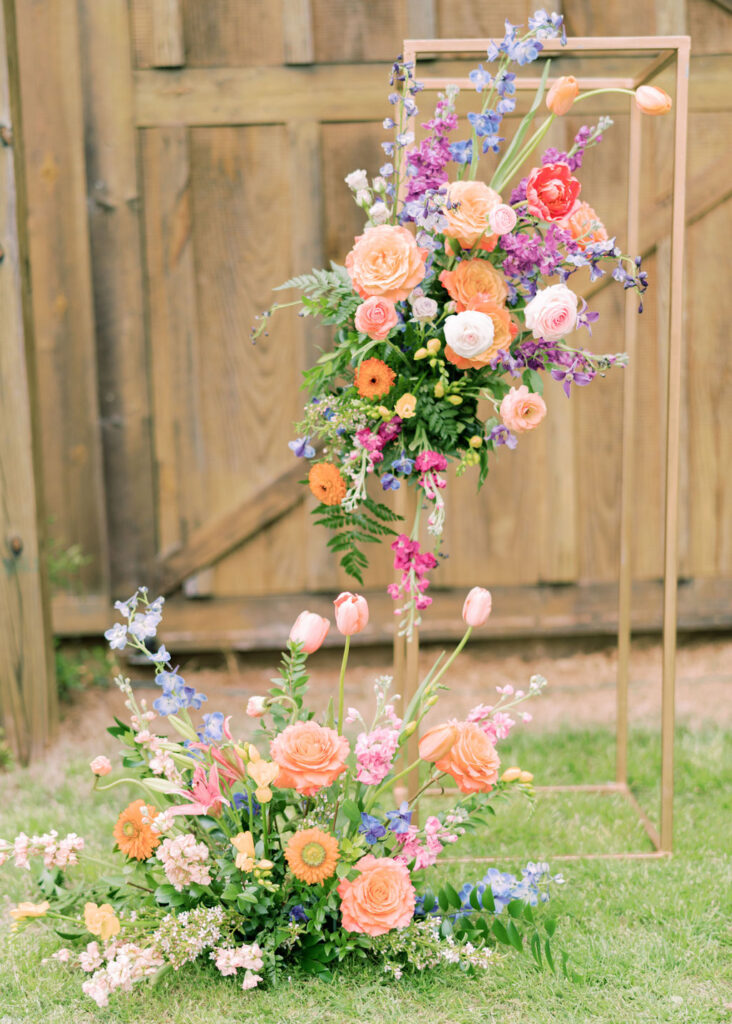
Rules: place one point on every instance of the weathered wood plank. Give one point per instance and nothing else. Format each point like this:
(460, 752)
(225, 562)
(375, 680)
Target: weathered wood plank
(220, 534)
(62, 304)
(232, 32)
(168, 50)
(28, 701)
(297, 25)
(350, 31)
(114, 221)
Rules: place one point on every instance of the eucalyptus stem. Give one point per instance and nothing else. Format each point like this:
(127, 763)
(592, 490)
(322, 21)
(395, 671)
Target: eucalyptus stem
(341, 683)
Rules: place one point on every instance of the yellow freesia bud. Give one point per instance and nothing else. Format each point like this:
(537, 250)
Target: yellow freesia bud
(409, 728)
(526, 777)
(511, 774)
(454, 400)
(421, 353)
(439, 389)
(254, 754)
(434, 345)
(384, 412)
(475, 441)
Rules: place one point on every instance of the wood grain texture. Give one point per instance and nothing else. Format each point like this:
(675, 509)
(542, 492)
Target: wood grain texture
(114, 221)
(168, 49)
(297, 26)
(28, 700)
(355, 31)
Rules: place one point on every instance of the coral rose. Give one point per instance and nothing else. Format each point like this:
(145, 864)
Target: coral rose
(472, 760)
(471, 278)
(376, 317)
(552, 313)
(584, 225)
(650, 99)
(551, 191)
(310, 757)
(504, 331)
(469, 204)
(386, 261)
(562, 95)
(381, 898)
(522, 410)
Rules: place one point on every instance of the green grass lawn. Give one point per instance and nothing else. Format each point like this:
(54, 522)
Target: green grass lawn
(649, 939)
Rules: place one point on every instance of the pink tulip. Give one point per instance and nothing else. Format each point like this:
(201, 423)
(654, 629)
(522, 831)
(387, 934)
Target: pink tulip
(310, 630)
(477, 606)
(101, 765)
(351, 612)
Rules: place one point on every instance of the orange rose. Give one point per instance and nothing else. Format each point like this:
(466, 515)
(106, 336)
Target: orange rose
(471, 277)
(504, 331)
(585, 225)
(386, 261)
(467, 219)
(472, 760)
(381, 898)
(310, 757)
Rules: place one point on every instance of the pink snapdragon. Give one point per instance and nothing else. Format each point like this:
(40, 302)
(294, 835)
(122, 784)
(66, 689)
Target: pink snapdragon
(430, 464)
(184, 861)
(374, 754)
(496, 724)
(413, 565)
(424, 846)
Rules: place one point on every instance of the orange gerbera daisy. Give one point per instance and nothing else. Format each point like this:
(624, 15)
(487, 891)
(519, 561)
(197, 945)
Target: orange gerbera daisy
(326, 483)
(134, 835)
(373, 378)
(312, 855)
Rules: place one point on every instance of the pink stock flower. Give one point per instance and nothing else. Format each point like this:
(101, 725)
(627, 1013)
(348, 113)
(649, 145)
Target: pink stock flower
(206, 793)
(101, 765)
(374, 754)
(183, 861)
(351, 612)
(477, 607)
(310, 630)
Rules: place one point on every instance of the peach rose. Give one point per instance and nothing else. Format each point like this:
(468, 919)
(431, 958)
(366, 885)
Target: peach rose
(650, 99)
(562, 95)
(376, 317)
(552, 313)
(472, 760)
(473, 277)
(522, 410)
(584, 225)
(504, 331)
(381, 898)
(310, 757)
(469, 204)
(386, 261)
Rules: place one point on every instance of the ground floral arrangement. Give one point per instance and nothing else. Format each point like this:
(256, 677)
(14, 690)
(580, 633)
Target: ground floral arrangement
(293, 849)
(445, 302)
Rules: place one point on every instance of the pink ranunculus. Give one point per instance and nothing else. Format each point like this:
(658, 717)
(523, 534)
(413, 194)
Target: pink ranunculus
(376, 317)
(477, 606)
(552, 313)
(310, 630)
(502, 219)
(351, 613)
(551, 191)
(101, 765)
(522, 409)
(256, 706)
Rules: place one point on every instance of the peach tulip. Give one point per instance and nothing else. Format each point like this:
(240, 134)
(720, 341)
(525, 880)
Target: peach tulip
(477, 606)
(310, 630)
(437, 742)
(351, 612)
(562, 94)
(650, 99)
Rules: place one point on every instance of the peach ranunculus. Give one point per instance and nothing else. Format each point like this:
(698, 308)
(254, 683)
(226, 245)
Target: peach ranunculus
(381, 898)
(551, 191)
(472, 760)
(101, 765)
(650, 99)
(101, 920)
(469, 204)
(504, 331)
(584, 225)
(375, 317)
(386, 261)
(310, 757)
(471, 278)
(522, 410)
(562, 95)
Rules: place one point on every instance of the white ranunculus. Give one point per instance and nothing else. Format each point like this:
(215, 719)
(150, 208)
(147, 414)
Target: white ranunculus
(379, 213)
(357, 180)
(469, 333)
(424, 309)
(552, 313)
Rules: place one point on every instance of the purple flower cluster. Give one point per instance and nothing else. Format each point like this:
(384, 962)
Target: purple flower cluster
(530, 256)
(426, 164)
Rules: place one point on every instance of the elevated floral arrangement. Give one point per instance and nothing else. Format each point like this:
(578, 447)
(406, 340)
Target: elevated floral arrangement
(294, 849)
(451, 297)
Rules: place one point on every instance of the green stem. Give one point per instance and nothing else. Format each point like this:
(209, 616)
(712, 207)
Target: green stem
(341, 682)
(530, 146)
(452, 657)
(428, 783)
(375, 793)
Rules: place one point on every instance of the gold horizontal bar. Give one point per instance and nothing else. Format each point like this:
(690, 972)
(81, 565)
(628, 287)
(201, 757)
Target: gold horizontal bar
(578, 43)
(532, 83)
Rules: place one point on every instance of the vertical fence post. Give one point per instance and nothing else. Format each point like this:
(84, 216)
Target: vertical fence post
(28, 702)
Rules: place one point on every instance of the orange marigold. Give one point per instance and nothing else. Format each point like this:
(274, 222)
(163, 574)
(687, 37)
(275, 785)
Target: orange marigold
(326, 483)
(312, 855)
(374, 378)
(134, 835)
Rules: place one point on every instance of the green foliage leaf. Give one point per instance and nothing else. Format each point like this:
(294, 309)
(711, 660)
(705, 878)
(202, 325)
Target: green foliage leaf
(351, 811)
(500, 932)
(549, 957)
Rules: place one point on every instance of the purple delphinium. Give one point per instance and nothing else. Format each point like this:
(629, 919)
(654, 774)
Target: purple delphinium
(573, 375)
(426, 164)
(500, 434)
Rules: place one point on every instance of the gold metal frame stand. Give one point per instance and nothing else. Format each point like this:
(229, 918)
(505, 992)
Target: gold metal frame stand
(663, 51)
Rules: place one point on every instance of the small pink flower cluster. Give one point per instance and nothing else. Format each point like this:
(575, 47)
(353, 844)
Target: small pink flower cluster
(183, 861)
(374, 753)
(429, 464)
(247, 958)
(373, 442)
(126, 964)
(425, 851)
(56, 853)
(413, 565)
(496, 724)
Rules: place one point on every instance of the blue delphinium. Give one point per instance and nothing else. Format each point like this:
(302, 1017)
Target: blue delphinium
(302, 448)
(213, 728)
(389, 482)
(371, 828)
(400, 820)
(176, 694)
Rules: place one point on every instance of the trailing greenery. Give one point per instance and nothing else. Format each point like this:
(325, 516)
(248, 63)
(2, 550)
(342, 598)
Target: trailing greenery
(368, 524)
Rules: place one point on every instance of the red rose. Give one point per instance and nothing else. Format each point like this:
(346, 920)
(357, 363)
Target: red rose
(551, 191)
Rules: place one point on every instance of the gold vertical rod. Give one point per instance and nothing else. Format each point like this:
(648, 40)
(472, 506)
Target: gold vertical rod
(625, 581)
(673, 416)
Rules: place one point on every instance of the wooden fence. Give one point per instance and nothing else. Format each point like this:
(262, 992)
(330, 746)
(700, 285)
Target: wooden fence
(181, 157)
